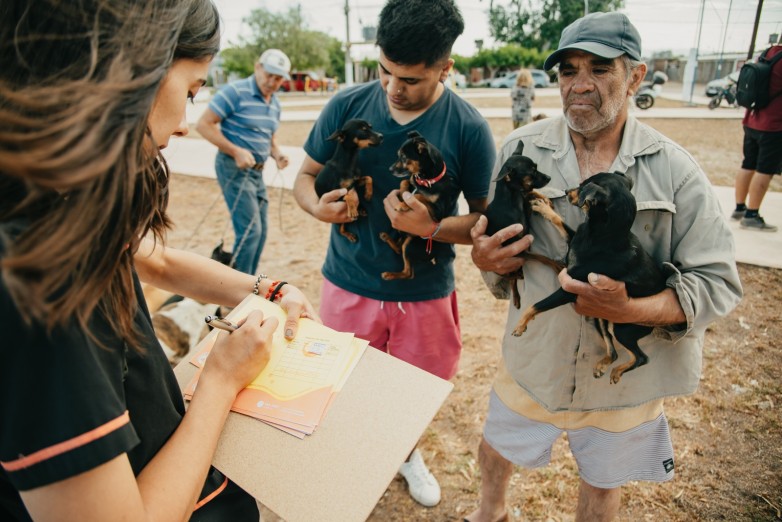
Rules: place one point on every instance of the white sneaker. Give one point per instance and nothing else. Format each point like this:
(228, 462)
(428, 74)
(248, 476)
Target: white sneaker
(421, 483)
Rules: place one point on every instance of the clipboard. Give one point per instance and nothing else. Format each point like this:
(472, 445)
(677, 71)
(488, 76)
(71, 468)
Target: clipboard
(339, 473)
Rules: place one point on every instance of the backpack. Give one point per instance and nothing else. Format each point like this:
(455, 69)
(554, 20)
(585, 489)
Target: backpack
(753, 86)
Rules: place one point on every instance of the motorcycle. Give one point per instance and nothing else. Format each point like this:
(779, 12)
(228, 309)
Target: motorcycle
(646, 95)
(728, 93)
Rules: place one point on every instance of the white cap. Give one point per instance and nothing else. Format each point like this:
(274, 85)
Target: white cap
(276, 62)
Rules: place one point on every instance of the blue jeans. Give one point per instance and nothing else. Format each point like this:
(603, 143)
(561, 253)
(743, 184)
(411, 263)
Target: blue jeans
(245, 195)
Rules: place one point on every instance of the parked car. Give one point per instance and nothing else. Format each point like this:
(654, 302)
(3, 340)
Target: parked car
(301, 79)
(539, 77)
(715, 86)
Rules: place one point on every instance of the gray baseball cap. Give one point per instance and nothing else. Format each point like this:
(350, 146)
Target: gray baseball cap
(608, 35)
(276, 62)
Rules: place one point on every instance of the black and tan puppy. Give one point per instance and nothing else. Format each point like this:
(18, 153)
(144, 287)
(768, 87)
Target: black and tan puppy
(422, 166)
(604, 244)
(515, 198)
(342, 171)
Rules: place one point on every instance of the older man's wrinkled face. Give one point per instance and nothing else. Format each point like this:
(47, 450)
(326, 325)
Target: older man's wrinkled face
(595, 91)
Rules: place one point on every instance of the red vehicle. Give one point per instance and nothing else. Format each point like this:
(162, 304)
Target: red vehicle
(302, 81)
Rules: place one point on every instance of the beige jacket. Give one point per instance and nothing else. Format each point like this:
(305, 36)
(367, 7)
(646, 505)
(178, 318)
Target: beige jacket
(679, 222)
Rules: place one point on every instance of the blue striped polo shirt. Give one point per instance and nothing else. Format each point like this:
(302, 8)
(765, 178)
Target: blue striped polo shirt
(247, 120)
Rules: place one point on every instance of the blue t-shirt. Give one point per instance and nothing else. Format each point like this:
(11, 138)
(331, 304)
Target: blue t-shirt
(246, 119)
(466, 143)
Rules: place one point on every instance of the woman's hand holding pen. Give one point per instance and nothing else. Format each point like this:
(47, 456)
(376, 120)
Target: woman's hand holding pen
(237, 358)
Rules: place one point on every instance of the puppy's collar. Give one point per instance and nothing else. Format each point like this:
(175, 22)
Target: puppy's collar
(429, 182)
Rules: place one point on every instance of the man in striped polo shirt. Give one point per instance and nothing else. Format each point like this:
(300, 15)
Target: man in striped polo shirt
(241, 121)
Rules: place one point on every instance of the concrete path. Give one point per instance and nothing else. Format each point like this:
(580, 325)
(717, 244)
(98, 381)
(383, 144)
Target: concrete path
(195, 157)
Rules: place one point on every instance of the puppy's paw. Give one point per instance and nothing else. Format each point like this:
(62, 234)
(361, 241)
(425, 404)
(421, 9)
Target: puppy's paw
(348, 235)
(602, 365)
(544, 208)
(539, 203)
(520, 329)
(526, 317)
(616, 374)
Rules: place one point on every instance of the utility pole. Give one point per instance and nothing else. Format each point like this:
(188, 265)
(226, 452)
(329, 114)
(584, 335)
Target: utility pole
(691, 71)
(754, 31)
(724, 34)
(348, 59)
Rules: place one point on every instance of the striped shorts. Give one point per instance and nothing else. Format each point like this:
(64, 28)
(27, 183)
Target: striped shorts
(605, 459)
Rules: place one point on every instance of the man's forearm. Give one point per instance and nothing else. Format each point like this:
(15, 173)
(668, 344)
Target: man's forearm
(211, 132)
(456, 229)
(304, 192)
(662, 309)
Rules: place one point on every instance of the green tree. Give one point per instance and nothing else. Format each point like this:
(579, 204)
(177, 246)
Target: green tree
(336, 66)
(507, 57)
(287, 31)
(538, 24)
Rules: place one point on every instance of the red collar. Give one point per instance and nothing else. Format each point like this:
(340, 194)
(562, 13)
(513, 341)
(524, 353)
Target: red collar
(429, 182)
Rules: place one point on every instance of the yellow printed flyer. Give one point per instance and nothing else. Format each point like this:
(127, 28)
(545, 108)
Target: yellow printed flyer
(294, 390)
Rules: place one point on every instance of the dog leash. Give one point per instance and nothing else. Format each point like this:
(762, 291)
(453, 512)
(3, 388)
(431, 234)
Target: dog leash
(198, 226)
(239, 247)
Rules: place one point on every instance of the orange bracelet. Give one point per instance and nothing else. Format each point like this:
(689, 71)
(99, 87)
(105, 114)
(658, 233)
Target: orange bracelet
(271, 289)
(276, 292)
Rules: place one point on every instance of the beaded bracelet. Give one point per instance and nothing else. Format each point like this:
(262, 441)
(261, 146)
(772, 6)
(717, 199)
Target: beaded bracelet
(258, 283)
(276, 291)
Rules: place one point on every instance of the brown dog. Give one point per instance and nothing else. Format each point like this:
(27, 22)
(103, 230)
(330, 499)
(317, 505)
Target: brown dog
(604, 244)
(422, 166)
(515, 198)
(180, 326)
(342, 171)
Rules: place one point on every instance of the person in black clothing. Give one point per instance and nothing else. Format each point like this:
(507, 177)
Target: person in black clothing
(762, 150)
(93, 423)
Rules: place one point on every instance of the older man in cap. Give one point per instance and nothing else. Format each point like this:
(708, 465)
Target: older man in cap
(241, 120)
(545, 385)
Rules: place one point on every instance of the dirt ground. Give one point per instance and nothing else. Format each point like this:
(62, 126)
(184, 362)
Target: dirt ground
(727, 436)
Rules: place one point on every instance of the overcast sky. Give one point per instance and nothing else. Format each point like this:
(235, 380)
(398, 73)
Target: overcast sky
(663, 24)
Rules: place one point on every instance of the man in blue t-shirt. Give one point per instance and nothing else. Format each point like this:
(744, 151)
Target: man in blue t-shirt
(415, 319)
(241, 121)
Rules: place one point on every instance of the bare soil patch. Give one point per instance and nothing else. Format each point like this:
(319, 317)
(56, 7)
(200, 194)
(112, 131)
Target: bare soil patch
(727, 436)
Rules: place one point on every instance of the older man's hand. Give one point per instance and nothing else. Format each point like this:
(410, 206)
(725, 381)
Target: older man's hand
(489, 255)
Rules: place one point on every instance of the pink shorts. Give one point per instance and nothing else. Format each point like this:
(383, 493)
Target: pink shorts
(425, 334)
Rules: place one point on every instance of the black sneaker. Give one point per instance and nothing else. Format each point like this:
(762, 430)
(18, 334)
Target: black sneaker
(757, 223)
(737, 214)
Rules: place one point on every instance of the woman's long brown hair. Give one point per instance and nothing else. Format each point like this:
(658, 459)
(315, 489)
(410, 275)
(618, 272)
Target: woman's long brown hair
(81, 180)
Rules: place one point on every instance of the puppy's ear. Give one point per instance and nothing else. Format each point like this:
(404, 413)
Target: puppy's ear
(519, 148)
(590, 195)
(504, 173)
(627, 181)
(422, 147)
(337, 135)
(414, 134)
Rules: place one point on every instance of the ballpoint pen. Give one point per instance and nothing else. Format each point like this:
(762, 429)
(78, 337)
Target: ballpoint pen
(219, 322)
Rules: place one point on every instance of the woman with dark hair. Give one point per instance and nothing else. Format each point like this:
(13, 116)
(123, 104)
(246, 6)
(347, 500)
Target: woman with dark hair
(93, 423)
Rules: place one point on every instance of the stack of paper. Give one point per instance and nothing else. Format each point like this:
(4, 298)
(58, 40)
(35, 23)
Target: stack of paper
(303, 376)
